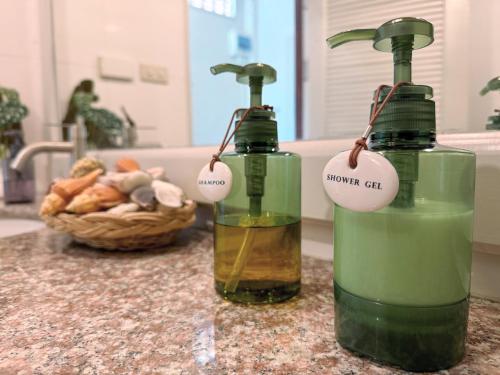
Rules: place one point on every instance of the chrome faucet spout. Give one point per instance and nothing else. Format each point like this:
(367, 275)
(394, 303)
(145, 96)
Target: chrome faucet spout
(28, 152)
(76, 147)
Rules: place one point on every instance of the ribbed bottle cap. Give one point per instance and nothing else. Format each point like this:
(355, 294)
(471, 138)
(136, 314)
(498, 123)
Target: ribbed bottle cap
(258, 130)
(411, 108)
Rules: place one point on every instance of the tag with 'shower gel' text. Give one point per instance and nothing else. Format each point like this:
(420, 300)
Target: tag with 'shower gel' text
(372, 185)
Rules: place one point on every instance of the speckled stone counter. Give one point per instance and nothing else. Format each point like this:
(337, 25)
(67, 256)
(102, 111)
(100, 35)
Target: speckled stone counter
(68, 309)
(20, 210)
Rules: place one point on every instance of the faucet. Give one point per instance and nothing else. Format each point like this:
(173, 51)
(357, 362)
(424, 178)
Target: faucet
(76, 147)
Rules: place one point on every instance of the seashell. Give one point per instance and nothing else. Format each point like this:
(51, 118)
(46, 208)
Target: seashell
(95, 198)
(108, 196)
(144, 196)
(107, 179)
(52, 204)
(70, 187)
(127, 165)
(158, 173)
(127, 182)
(123, 208)
(168, 194)
(84, 204)
(86, 165)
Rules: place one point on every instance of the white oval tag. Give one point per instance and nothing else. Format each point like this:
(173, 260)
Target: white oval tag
(216, 185)
(372, 185)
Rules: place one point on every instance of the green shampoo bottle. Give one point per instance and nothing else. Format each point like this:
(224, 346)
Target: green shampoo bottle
(257, 226)
(402, 273)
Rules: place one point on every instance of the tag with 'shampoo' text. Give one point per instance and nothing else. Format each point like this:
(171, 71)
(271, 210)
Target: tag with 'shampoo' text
(215, 185)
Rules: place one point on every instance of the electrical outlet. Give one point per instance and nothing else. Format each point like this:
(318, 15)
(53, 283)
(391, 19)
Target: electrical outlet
(153, 74)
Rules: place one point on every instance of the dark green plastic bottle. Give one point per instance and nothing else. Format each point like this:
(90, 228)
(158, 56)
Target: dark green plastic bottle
(402, 273)
(257, 227)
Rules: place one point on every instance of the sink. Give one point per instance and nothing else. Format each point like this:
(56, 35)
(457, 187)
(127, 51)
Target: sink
(11, 227)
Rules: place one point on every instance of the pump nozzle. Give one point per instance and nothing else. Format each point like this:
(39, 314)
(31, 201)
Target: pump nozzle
(399, 36)
(255, 75)
(492, 85)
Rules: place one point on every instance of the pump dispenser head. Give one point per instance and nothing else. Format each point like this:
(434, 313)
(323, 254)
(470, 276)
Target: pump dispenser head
(410, 114)
(254, 75)
(411, 108)
(400, 36)
(258, 134)
(492, 85)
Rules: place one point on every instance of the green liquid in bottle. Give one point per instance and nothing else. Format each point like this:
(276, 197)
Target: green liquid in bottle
(419, 256)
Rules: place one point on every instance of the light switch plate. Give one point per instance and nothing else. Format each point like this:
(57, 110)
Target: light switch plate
(153, 73)
(121, 69)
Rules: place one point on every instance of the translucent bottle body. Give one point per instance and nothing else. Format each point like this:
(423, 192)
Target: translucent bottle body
(257, 240)
(402, 274)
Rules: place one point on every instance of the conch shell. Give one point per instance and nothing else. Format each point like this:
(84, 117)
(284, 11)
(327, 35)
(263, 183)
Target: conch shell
(84, 204)
(52, 205)
(127, 182)
(108, 195)
(96, 198)
(86, 165)
(70, 187)
(127, 165)
(168, 194)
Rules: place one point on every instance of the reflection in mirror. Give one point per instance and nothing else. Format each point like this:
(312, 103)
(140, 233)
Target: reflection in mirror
(141, 73)
(340, 83)
(240, 32)
(123, 66)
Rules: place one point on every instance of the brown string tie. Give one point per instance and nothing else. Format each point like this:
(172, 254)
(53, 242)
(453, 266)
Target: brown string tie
(227, 137)
(360, 143)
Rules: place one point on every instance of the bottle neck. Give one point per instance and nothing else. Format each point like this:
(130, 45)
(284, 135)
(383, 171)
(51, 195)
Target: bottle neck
(403, 139)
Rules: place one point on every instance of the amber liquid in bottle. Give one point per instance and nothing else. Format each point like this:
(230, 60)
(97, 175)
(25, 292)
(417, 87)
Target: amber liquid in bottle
(271, 269)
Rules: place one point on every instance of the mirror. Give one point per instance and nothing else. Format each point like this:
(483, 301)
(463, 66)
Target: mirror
(139, 71)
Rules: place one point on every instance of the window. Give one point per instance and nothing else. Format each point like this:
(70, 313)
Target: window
(225, 8)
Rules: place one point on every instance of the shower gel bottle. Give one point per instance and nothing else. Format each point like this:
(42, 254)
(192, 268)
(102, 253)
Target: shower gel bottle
(402, 273)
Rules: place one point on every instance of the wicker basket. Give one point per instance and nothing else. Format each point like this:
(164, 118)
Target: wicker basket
(128, 231)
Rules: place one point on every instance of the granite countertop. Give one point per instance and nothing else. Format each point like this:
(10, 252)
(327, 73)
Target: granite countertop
(21, 210)
(69, 309)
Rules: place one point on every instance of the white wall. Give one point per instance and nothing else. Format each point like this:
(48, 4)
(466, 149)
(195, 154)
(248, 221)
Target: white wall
(144, 32)
(21, 59)
(25, 65)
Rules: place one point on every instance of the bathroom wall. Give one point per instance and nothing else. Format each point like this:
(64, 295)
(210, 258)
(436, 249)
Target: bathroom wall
(152, 32)
(21, 58)
(25, 64)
